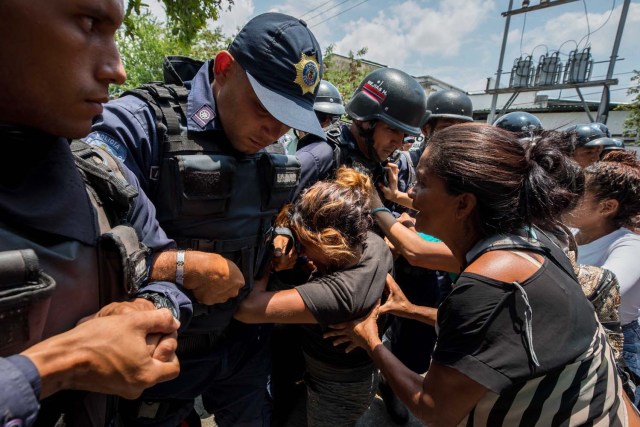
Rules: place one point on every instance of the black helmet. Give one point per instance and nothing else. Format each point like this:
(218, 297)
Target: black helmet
(588, 135)
(450, 104)
(328, 99)
(392, 96)
(603, 128)
(612, 144)
(519, 122)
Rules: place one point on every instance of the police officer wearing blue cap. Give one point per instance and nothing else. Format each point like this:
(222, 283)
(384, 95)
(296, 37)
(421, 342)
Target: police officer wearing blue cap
(197, 144)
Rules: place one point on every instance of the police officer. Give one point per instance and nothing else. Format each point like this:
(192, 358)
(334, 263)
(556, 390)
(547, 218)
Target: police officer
(196, 146)
(58, 203)
(524, 124)
(587, 141)
(316, 156)
(387, 105)
(447, 108)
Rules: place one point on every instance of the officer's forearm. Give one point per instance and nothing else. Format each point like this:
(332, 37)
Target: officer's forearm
(210, 277)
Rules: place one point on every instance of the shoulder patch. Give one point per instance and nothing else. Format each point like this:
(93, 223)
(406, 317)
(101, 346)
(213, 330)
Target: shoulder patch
(108, 143)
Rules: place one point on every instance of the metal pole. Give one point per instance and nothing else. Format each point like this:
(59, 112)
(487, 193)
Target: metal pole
(604, 101)
(494, 101)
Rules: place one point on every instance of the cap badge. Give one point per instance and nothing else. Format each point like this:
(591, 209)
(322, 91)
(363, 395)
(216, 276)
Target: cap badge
(307, 74)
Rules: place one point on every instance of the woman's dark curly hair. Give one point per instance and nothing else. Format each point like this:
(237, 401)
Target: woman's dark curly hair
(333, 216)
(617, 176)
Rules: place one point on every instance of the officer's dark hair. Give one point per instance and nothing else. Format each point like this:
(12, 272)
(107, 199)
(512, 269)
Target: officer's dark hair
(332, 216)
(617, 176)
(510, 180)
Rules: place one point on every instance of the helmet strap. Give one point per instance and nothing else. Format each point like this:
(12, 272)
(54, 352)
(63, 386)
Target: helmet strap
(367, 136)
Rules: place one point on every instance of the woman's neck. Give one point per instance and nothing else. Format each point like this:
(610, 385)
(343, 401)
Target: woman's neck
(589, 234)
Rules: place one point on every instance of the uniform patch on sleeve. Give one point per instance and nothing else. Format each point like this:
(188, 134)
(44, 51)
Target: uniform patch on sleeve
(204, 116)
(107, 143)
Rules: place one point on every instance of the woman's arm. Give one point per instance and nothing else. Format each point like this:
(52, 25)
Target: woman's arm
(274, 307)
(443, 398)
(416, 250)
(398, 304)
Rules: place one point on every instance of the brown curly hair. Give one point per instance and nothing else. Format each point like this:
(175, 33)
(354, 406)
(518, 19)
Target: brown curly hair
(333, 216)
(617, 176)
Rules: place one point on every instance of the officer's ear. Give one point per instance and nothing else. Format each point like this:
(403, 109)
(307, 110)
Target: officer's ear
(222, 66)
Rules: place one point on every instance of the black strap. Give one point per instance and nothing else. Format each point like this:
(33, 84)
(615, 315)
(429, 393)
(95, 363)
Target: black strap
(114, 192)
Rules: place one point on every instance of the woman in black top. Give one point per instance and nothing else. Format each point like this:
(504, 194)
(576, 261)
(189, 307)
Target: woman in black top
(330, 221)
(518, 343)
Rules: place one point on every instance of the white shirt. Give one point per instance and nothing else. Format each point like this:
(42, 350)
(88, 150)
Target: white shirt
(619, 252)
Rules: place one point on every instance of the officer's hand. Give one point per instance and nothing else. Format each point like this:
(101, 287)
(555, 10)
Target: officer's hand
(121, 354)
(283, 260)
(125, 307)
(211, 278)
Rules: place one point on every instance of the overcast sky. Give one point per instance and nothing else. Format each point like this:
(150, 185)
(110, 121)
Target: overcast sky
(458, 41)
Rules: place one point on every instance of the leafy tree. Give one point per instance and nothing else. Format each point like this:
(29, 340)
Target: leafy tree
(632, 122)
(185, 18)
(345, 76)
(142, 52)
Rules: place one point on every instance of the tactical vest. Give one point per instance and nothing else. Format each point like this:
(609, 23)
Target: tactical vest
(212, 198)
(87, 277)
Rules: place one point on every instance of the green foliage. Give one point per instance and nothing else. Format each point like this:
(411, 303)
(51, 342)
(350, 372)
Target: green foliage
(142, 52)
(185, 18)
(345, 76)
(632, 122)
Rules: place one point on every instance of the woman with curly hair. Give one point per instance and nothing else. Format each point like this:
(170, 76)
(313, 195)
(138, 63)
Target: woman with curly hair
(348, 264)
(603, 220)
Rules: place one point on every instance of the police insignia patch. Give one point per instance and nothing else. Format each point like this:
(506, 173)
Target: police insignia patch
(307, 74)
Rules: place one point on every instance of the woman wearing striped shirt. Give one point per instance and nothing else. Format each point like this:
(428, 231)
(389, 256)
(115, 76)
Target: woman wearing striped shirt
(518, 343)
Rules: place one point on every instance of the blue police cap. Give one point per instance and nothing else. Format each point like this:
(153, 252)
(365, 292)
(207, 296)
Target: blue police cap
(283, 62)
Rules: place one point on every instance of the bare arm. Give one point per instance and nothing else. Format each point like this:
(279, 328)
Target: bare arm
(398, 304)
(274, 307)
(443, 398)
(419, 252)
(212, 278)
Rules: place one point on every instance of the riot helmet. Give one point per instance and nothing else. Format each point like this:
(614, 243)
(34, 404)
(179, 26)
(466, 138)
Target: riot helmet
(587, 135)
(603, 128)
(392, 96)
(450, 104)
(328, 100)
(612, 144)
(523, 124)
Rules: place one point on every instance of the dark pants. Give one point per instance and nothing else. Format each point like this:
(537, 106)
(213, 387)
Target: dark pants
(232, 379)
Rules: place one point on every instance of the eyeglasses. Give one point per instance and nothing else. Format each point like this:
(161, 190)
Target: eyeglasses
(333, 118)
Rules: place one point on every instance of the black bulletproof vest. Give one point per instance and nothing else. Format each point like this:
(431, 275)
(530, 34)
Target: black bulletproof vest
(87, 276)
(212, 198)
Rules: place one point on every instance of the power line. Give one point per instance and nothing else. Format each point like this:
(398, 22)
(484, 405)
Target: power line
(338, 14)
(590, 33)
(327, 10)
(314, 9)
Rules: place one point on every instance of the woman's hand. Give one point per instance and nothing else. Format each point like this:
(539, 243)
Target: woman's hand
(390, 191)
(357, 333)
(396, 303)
